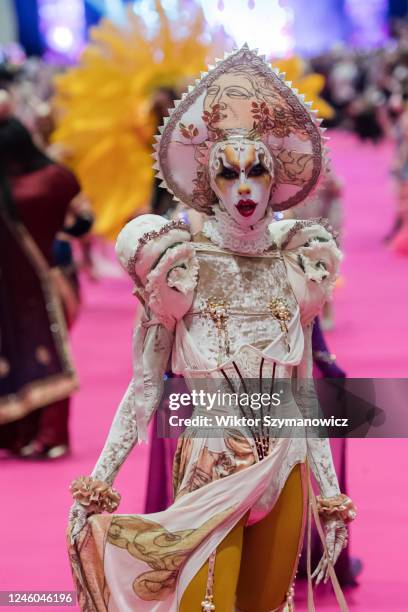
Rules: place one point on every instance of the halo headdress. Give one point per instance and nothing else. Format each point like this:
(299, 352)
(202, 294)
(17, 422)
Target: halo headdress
(240, 94)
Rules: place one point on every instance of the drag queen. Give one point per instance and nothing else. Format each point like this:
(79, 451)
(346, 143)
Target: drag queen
(232, 303)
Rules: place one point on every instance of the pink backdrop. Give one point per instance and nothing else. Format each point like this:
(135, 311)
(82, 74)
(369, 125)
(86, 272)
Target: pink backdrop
(370, 340)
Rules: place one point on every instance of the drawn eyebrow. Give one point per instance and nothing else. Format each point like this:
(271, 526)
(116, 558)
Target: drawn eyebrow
(229, 165)
(258, 165)
(232, 163)
(250, 164)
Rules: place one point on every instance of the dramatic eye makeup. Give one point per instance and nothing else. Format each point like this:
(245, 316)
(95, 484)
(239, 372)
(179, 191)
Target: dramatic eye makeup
(231, 174)
(228, 173)
(257, 170)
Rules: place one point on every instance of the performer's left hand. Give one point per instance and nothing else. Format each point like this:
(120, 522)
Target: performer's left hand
(77, 520)
(336, 539)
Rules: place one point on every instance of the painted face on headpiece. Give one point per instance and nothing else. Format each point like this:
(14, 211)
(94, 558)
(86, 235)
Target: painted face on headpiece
(234, 95)
(242, 177)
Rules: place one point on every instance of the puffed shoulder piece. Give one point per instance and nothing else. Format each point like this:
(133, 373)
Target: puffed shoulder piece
(160, 258)
(170, 285)
(312, 260)
(291, 233)
(143, 240)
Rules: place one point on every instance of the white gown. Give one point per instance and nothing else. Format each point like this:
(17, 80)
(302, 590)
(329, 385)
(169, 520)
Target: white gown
(145, 562)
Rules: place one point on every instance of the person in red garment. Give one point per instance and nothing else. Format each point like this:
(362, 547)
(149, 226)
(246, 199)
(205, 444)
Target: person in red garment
(36, 372)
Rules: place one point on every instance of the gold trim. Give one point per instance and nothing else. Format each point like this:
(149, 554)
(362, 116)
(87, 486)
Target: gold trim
(210, 249)
(36, 395)
(237, 313)
(58, 386)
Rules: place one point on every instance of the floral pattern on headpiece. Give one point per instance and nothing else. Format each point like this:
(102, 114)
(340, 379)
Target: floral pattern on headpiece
(241, 93)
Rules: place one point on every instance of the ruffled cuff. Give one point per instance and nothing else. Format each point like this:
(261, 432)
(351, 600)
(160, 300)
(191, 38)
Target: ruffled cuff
(94, 495)
(339, 507)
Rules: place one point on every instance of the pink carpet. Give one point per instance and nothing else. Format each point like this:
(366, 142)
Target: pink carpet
(370, 340)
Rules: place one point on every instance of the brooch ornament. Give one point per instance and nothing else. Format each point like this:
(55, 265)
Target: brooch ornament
(217, 310)
(279, 309)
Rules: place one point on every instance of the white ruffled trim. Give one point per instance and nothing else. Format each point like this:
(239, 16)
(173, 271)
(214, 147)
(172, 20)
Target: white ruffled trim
(167, 273)
(320, 260)
(224, 231)
(311, 246)
(184, 279)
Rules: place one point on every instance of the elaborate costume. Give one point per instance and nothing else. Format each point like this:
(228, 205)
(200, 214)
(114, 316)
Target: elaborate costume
(231, 304)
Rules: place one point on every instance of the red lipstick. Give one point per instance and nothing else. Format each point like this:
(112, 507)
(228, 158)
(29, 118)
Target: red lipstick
(246, 207)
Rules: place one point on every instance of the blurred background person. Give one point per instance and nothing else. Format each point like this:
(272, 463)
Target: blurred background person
(37, 376)
(398, 240)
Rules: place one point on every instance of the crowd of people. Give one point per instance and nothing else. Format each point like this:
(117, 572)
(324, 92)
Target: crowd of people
(369, 93)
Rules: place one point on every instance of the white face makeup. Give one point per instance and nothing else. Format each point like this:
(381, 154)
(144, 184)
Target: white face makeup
(242, 177)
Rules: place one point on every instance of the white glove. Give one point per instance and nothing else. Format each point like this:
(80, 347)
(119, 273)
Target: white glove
(77, 520)
(151, 350)
(318, 449)
(336, 536)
